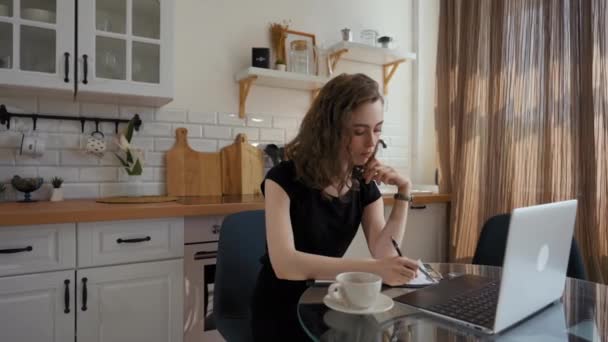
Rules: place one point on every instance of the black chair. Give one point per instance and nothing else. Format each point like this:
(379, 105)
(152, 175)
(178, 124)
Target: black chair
(493, 243)
(241, 245)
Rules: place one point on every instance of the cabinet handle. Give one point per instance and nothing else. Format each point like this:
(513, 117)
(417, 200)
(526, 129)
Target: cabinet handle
(66, 78)
(216, 229)
(420, 206)
(66, 296)
(147, 238)
(16, 250)
(85, 68)
(204, 255)
(84, 294)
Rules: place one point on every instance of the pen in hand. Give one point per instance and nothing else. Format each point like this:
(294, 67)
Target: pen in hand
(421, 268)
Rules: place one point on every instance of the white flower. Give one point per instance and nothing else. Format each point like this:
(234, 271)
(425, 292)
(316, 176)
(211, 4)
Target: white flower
(123, 143)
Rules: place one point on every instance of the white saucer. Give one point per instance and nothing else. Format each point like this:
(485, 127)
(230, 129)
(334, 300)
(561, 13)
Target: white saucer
(383, 303)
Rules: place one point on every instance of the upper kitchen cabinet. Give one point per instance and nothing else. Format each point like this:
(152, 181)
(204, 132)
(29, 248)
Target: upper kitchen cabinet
(37, 44)
(125, 50)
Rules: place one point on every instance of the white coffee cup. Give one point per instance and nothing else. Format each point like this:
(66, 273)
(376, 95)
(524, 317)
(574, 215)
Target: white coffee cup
(32, 145)
(357, 290)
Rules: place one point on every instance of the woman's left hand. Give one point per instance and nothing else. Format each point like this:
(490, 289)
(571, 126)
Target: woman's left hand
(375, 170)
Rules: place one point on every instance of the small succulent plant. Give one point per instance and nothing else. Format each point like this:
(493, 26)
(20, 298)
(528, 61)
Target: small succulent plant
(57, 181)
(2, 188)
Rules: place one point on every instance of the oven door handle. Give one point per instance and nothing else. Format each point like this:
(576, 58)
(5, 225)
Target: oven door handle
(205, 255)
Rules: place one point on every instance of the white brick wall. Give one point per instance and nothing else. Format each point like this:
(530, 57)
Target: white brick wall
(87, 176)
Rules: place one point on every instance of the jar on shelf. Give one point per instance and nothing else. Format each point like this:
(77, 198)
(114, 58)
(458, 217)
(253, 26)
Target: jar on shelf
(299, 57)
(369, 37)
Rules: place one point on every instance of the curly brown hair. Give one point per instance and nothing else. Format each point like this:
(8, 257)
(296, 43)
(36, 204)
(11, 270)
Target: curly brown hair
(317, 148)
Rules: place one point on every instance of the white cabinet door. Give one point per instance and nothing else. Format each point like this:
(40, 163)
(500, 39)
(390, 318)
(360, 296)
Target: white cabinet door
(125, 49)
(131, 303)
(37, 44)
(426, 233)
(33, 307)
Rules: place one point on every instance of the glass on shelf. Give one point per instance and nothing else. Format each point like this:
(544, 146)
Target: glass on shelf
(299, 57)
(6, 46)
(110, 58)
(111, 16)
(37, 49)
(369, 37)
(39, 10)
(6, 8)
(146, 62)
(146, 18)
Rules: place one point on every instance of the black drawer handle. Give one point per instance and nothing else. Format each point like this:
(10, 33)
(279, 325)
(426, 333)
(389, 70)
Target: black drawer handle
(147, 238)
(204, 255)
(66, 296)
(66, 68)
(84, 294)
(419, 206)
(86, 68)
(16, 250)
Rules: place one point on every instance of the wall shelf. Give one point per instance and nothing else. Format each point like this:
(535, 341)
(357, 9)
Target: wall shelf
(275, 79)
(389, 59)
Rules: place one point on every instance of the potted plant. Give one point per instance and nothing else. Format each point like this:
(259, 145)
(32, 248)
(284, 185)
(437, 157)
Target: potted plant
(57, 194)
(132, 160)
(280, 65)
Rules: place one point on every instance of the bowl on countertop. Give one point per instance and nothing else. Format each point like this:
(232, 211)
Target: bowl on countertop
(27, 185)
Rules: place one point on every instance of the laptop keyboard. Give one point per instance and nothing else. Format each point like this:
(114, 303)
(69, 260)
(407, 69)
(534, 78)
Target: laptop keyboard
(477, 306)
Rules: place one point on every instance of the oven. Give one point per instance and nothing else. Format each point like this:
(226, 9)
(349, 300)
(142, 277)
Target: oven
(201, 236)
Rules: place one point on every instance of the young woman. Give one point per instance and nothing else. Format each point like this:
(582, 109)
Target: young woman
(314, 206)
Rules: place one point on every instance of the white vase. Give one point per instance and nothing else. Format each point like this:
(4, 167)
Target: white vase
(281, 67)
(134, 186)
(57, 195)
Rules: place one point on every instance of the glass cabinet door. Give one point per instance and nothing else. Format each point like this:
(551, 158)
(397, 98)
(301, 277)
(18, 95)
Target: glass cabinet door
(6, 34)
(127, 40)
(125, 50)
(37, 43)
(38, 36)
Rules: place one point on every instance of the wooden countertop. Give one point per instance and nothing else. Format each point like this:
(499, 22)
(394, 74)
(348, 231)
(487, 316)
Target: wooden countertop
(87, 210)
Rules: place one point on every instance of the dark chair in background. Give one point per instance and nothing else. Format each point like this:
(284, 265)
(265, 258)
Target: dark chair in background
(493, 243)
(241, 245)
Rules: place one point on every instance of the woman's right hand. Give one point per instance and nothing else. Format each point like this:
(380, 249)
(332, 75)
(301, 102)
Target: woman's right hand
(396, 270)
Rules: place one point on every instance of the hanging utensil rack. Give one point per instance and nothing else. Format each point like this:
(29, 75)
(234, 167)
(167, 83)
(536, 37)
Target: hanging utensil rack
(5, 119)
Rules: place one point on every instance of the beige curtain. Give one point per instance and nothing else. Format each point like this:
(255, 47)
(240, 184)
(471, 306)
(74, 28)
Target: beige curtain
(522, 115)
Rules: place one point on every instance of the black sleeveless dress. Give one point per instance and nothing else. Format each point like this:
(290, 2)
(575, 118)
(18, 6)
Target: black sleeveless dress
(321, 225)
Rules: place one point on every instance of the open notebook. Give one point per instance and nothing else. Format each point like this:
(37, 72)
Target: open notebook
(421, 279)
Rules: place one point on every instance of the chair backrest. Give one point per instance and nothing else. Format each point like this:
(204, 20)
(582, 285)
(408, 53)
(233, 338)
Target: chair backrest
(241, 245)
(493, 240)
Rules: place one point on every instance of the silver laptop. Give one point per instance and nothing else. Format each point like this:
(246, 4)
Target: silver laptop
(533, 275)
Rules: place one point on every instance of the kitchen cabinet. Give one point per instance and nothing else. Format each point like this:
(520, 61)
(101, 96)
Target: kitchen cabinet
(123, 51)
(37, 44)
(426, 234)
(37, 307)
(119, 281)
(130, 303)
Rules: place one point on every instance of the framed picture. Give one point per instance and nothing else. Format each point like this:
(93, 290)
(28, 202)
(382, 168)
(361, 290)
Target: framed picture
(311, 42)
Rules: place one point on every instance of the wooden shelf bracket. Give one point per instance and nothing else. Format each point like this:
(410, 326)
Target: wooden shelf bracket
(244, 86)
(333, 59)
(388, 70)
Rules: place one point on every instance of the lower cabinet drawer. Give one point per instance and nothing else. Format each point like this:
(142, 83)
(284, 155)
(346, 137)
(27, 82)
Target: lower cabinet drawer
(28, 249)
(115, 242)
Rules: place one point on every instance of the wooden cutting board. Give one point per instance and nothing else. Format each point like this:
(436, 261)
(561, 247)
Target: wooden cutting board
(242, 168)
(192, 173)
